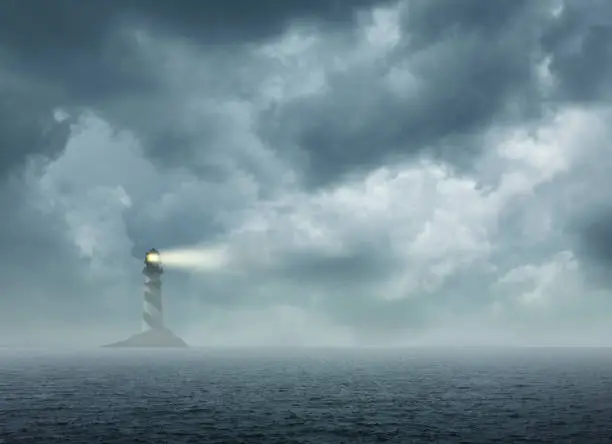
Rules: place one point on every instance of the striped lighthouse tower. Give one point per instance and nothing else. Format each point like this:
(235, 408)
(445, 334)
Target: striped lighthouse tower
(152, 314)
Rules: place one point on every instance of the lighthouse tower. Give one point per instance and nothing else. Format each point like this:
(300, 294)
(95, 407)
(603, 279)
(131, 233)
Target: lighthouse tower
(152, 314)
(154, 333)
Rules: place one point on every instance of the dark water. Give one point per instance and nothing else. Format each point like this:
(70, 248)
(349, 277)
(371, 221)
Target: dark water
(308, 396)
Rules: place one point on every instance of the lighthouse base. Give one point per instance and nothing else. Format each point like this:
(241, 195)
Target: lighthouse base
(160, 338)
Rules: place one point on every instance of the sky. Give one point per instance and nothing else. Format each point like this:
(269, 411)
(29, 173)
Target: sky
(422, 172)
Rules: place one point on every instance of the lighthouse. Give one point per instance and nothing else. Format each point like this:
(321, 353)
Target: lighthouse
(154, 333)
(152, 314)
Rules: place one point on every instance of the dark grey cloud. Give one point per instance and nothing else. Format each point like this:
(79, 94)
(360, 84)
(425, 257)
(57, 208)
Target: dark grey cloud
(83, 54)
(471, 61)
(32, 26)
(579, 42)
(80, 45)
(597, 237)
(202, 129)
(439, 19)
(28, 127)
(592, 235)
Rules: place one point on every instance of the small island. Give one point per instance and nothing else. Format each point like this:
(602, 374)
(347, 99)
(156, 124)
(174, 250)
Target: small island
(161, 337)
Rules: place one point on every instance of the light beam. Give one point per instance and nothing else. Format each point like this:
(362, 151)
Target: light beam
(202, 258)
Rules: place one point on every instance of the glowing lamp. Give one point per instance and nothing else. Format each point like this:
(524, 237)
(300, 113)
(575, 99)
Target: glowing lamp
(153, 258)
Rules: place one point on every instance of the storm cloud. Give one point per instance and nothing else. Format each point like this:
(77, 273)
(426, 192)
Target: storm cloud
(403, 172)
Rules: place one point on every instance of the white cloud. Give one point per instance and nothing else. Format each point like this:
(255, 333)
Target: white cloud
(93, 183)
(553, 281)
(383, 32)
(433, 222)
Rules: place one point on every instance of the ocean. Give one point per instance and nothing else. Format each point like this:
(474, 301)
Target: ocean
(306, 396)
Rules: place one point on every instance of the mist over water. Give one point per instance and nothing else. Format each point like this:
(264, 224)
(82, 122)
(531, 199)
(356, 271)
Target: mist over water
(274, 329)
(290, 395)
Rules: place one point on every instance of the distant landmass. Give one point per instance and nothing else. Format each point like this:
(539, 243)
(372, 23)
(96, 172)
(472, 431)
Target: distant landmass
(162, 338)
